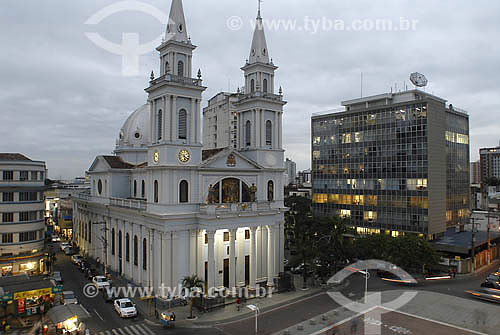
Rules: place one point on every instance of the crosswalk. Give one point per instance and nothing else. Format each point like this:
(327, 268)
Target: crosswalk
(138, 329)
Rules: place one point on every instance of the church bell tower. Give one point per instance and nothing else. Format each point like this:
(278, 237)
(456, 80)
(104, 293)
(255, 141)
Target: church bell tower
(175, 98)
(260, 109)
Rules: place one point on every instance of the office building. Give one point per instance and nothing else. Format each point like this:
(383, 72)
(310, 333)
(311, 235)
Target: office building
(490, 163)
(291, 171)
(22, 223)
(475, 172)
(393, 163)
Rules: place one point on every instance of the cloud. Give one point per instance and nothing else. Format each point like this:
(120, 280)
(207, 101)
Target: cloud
(63, 100)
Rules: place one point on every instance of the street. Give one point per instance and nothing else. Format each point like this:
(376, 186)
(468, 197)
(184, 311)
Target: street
(104, 320)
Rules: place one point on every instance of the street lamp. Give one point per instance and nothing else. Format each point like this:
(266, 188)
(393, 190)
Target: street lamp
(367, 276)
(257, 311)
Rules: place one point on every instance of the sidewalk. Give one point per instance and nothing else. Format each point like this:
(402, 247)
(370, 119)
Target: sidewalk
(227, 313)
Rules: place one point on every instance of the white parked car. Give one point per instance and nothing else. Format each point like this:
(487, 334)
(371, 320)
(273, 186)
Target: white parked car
(101, 282)
(56, 238)
(69, 298)
(64, 245)
(125, 308)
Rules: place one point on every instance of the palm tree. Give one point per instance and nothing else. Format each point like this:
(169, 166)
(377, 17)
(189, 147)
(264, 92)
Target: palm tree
(192, 282)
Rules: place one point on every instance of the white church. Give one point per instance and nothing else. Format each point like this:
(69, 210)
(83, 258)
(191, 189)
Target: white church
(164, 206)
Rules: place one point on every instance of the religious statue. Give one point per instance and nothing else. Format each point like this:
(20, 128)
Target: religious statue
(231, 160)
(253, 192)
(213, 195)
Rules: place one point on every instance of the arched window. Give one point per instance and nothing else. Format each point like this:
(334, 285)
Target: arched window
(143, 190)
(180, 69)
(156, 191)
(183, 191)
(90, 232)
(252, 86)
(113, 241)
(270, 191)
(264, 86)
(135, 188)
(182, 124)
(120, 244)
(269, 133)
(127, 248)
(85, 232)
(99, 187)
(159, 125)
(144, 254)
(167, 68)
(136, 251)
(248, 133)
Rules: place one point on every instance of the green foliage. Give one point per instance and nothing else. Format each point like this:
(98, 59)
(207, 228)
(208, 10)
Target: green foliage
(192, 282)
(409, 252)
(492, 181)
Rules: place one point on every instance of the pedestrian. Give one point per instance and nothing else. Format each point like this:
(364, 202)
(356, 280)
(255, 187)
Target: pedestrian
(450, 273)
(454, 272)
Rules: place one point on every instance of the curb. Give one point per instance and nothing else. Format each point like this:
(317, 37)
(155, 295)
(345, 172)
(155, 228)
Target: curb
(209, 324)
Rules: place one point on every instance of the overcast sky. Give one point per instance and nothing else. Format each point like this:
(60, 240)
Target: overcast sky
(63, 99)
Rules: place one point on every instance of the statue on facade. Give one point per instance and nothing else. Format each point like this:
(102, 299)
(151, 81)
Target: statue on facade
(253, 193)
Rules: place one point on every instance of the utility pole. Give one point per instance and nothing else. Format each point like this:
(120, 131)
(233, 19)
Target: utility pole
(104, 241)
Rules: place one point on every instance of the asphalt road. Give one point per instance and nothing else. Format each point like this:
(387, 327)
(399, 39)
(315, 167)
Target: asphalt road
(105, 320)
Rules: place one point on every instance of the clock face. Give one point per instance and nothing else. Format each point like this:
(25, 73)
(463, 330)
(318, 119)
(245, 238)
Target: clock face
(156, 157)
(184, 156)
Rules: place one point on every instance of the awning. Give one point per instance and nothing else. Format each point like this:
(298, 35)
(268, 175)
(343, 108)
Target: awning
(64, 312)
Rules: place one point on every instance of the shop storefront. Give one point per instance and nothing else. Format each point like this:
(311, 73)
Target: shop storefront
(33, 264)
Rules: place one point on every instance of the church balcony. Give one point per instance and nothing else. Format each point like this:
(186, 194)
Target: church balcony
(176, 79)
(261, 95)
(138, 204)
(239, 208)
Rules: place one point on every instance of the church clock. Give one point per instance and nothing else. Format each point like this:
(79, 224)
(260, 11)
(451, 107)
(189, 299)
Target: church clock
(184, 156)
(156, 157)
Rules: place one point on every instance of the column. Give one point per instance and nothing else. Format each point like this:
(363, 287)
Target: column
(193, 252)
(116, 268)
(151, 259)
(270, 256)
(280, 129)
(275, 131)
(131, 250)
(167, 260)
(159, 260)
(211, 259)
(253, 257)
(200, 242)
(241, 259)
(232, 265)
(151, 122)
(166, 118)
(192, 122)
(140, 269)
(280, 244)
(173, 113)
(198, 123)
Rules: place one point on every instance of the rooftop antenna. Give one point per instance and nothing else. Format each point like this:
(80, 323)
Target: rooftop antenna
(259, 1)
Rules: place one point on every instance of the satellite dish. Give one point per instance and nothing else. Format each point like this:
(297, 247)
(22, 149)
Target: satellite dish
(418, 79)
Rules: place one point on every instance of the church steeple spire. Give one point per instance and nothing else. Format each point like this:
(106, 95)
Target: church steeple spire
(258, 51)
(176, 28)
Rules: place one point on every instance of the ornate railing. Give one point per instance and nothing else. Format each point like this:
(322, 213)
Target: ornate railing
(177, 79)
(129, 203)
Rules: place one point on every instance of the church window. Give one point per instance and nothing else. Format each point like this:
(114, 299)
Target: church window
(252, 86)
(167, 67)
(144, 254)
(182, 124)
(127, 248)
(226, 236)
(113, 241)
(143, 189)
(90, 232)
(230, 190)
(183, 191)
(248, 133)
(247, 234)
(269, 133)
(156, 191)
(160, 123)
(99, 187)
(270, 191)
(136, 251)
(135, 188)
(180, 69)
(264, 85)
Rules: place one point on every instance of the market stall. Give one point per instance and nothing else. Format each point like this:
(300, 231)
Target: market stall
(68, 318)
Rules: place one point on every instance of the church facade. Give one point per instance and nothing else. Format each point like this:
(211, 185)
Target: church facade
(164, 207)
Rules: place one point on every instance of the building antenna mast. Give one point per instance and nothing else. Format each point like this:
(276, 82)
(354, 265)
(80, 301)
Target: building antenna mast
(361, 84)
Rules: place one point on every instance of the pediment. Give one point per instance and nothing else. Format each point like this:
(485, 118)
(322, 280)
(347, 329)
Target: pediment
(99, 165)
(230, 159)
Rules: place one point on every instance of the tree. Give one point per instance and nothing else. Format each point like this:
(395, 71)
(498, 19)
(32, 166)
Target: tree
(192, 283)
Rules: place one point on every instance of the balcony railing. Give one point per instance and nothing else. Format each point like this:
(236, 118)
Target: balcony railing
(129, 203)
(240, 208)
(177, 79)
(268, 96)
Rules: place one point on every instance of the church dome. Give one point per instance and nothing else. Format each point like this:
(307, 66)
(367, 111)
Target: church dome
(135, 131)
